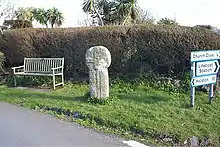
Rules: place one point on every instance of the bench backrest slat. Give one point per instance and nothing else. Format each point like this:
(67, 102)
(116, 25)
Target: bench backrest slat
(42, 65)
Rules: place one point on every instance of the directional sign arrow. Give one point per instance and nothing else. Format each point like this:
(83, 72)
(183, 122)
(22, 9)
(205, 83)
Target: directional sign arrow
(217, 67)
(207, 68)
(204, 80)
(193, 83)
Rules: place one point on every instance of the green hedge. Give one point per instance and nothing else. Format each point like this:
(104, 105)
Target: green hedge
(134, 49)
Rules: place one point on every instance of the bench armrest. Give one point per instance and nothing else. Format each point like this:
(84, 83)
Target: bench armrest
(18, 67)
(57, 68)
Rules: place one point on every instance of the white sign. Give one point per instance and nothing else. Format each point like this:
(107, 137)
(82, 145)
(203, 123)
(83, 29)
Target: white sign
(204, 80)
(207, 68)
(205, 55)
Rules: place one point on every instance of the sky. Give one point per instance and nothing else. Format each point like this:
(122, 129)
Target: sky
(186, 12)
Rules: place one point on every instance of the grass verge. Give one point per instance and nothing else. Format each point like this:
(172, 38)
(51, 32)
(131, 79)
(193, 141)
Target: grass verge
(136, 112)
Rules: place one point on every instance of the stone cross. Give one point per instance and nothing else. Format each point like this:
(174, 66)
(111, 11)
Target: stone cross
(98, 59)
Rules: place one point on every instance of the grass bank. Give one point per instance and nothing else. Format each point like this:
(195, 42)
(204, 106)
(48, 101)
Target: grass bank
(136, 112)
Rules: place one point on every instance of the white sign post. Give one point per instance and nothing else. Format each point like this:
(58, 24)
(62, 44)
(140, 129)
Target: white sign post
(192, 89)
(204, 69)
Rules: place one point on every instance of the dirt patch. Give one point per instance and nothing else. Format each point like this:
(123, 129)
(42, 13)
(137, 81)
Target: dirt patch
(35, 89)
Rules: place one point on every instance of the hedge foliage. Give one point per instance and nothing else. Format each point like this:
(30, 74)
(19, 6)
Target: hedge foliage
(134, 49)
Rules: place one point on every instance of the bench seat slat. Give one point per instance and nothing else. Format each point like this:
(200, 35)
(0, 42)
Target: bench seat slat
(33, 74)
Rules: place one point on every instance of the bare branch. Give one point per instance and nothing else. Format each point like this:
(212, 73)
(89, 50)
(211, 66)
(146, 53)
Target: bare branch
(6, 9)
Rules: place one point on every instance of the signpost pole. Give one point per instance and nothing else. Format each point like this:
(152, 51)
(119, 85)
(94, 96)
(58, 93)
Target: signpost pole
(211, 93)
(192, 89)
(204, 71)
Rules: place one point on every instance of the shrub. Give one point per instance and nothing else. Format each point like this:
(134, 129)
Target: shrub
(2, 59)
(15, 24)
(134, 49)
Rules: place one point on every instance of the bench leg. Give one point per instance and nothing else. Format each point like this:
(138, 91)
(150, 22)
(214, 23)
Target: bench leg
(15, 83)
(53, 81)
(63, 79)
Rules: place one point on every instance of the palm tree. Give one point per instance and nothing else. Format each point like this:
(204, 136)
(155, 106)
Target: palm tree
(108, 11)
(112, 11)
(55, 17)
(127, 9)
(41, 16)
(94, 7)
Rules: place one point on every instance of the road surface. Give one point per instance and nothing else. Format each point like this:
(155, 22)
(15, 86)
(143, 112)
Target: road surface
(20, 127)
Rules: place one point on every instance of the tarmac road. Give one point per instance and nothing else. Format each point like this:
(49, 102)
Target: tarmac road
(20, 127)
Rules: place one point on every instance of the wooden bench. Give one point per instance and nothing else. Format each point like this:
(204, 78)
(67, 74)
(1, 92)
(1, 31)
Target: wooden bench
(41, 67)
